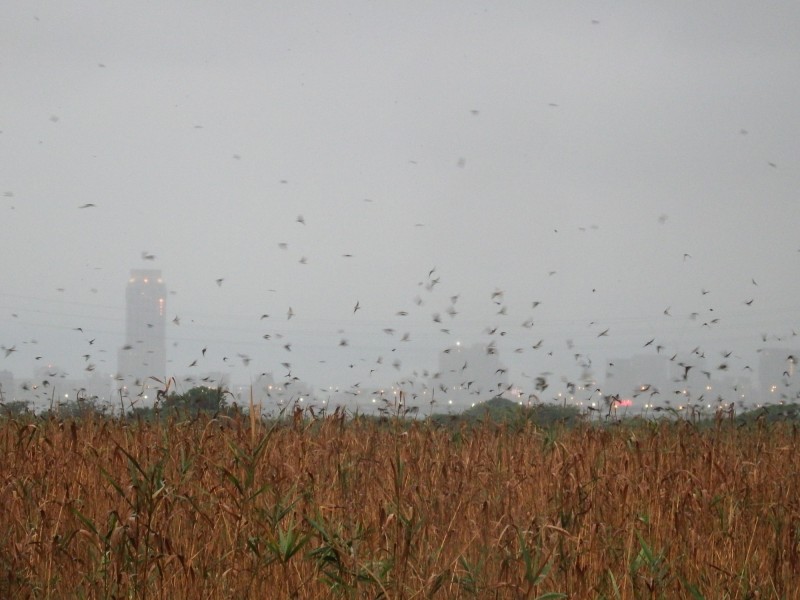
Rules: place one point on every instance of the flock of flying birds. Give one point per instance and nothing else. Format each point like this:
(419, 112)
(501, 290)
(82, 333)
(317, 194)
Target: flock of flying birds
(423, 385)
(478, 386)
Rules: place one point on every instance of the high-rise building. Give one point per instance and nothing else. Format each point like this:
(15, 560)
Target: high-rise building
(144, 354)
(6, 386)
(631, 377)
(777, 375)
(467, 375)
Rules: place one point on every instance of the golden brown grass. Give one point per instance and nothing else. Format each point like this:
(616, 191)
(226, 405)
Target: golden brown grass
(221, 508)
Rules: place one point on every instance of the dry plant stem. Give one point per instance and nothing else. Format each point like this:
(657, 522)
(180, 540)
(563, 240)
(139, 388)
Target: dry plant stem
(360, 508)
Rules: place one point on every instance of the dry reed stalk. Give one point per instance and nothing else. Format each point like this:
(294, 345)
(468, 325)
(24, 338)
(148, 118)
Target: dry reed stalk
(328, 507)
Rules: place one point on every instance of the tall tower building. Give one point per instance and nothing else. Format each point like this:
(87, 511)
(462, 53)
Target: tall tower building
(144, 354)
(467, 375)
(777, 375)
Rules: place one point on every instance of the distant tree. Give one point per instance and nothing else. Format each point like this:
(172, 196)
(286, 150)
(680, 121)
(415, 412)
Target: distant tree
(503, 411)
(198, 399)
(14, 408)
(80, 408)
(771, 414)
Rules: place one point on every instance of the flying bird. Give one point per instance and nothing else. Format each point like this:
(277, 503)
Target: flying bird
(87, 206)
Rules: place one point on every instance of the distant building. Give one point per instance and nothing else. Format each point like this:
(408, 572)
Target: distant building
(144, 354)
(777, 375)
(468, 375)
(6, 386)
(638, 375)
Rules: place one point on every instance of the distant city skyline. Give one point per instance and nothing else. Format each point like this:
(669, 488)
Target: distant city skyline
(464, 374)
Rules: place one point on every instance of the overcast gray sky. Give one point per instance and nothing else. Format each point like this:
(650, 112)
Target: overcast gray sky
(610, 160)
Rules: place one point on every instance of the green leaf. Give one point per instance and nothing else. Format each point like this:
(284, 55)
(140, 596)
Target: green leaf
(85, 520)
(614, 585)
(693, 590)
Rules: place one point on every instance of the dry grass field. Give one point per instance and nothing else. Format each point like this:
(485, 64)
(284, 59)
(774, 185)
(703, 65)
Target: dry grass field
(327, 508)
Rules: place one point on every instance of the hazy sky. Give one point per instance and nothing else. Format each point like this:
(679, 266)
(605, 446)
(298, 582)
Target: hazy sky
(610, 160)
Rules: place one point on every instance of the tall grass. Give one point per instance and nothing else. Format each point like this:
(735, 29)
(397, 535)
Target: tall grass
(320, 508)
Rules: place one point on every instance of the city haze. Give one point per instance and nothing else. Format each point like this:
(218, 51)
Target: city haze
(356, 189)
